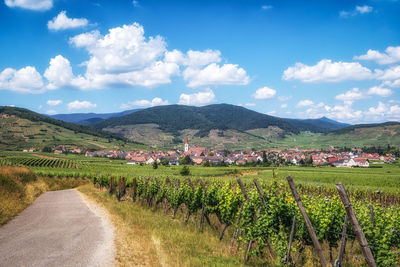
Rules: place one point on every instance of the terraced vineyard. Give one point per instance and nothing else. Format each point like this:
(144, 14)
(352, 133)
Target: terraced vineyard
(40, 162)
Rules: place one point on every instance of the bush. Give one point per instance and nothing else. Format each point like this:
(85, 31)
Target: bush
(185, 170)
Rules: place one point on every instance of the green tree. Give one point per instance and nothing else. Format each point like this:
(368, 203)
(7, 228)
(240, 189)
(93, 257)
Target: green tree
(185, 170)
(165, 162)
(155, 165)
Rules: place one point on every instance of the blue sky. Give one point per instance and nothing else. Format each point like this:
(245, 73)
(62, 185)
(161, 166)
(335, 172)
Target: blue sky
(297, 59)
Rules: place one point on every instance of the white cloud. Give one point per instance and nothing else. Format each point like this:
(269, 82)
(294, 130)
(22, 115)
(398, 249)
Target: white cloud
(124, 57)
(123, 49)
(135, 3)
(81, 105)
(264, 93)
(197, 99)
(202, 58)
(24, 80)
(378, 90)
(395, 83)
(364, 9)
(271, 113)
(284, 106)
(357, 11)
(51, 112)
(328, 71)
(54, 102)
(38, 5)
(351, 95)
(391, 55)
(62, 22)
(284, 98)
(266, 7)
(213, 74)
(250, 105)
(144, 103)
(383, 112)
(59, 73)
(88, 39)
(304, 103)
(392, 73)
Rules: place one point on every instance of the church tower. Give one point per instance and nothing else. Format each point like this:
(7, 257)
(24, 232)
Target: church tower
(186, 145)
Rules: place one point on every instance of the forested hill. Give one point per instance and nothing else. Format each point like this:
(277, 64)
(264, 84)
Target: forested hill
(174, 118)
(373, 127)
(23, 129)
(33, 116)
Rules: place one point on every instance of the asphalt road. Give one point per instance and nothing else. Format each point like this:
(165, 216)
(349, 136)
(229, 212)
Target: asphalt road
(59, 229)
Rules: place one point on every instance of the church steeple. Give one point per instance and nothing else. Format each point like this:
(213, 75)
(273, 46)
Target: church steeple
(186, 145)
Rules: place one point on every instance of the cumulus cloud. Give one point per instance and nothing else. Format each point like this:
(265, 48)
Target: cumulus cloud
(266, 7)
(351, 95)
(304, 103)
(38, 5)
(390, 74)
(144, 103)
(74, 105)
(59, 73)
(378, 90)
(365, 9)
(264, 93)
(54, 102)
(213, 74)
(284, 106)
(197, 99)
(390, 56)
(87, 39)
(62, 22)
(328, 71)
(395, 83)
(250, 105)
(125, 57)
(24, 80)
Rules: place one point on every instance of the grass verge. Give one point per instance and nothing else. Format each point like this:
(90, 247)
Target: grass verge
(19, 187)
(150, 238)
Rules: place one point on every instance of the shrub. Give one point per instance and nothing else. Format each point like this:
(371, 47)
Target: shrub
(185, 170)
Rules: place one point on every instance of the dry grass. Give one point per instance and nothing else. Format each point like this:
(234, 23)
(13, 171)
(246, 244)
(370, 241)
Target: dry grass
(19, 187)
(151, 238)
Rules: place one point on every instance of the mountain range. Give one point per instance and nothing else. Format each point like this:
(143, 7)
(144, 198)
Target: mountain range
(90, 118)
(219, 126)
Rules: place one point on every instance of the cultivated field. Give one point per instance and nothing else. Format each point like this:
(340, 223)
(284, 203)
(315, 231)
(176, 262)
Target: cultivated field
(212, 206)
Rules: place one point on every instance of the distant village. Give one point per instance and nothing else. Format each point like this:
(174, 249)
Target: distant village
(275, 157)
(202, 156)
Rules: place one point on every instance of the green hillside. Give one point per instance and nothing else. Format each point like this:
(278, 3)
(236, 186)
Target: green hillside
(175, 118)
(23, 129)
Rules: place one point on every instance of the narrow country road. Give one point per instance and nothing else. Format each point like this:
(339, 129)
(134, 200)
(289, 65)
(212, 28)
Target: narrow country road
(59, 229)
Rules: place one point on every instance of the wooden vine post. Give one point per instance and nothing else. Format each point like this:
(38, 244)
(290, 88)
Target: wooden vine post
(111, 189)
(339, 261)
(134, 187)
(309, 226)
(356, 226)
(288, 258)
(121, 188)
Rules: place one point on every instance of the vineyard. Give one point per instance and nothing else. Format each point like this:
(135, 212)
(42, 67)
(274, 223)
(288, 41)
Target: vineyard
(39, 162)
(263, 220)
